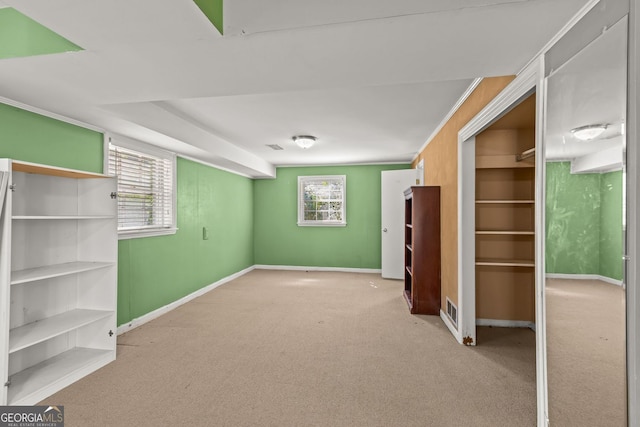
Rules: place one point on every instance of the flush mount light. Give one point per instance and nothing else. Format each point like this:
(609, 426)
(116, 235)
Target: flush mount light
(304, 141)
(588, 132)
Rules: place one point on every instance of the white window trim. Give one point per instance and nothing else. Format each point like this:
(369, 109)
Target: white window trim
(308, 223)
(142, 147)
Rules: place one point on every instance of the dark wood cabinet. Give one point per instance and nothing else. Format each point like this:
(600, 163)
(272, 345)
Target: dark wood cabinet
(422, 250)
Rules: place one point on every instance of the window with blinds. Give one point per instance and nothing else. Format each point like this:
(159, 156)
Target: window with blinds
(322, 200)
(145, 190)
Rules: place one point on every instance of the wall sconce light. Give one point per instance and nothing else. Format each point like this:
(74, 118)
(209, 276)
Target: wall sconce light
(304, 141)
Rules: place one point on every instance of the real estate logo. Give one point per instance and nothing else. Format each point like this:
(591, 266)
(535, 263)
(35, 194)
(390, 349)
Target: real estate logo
(32, 416)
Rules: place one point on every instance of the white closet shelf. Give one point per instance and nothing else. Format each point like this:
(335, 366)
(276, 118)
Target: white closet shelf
(506, 262)
(58, 217)
(41, 330)
(32, 384)
(57, 270)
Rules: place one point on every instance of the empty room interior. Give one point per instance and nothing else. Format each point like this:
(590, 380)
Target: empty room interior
(300, 213)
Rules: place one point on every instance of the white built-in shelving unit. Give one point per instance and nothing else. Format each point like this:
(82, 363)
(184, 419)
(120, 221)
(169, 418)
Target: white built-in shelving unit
(58, 272)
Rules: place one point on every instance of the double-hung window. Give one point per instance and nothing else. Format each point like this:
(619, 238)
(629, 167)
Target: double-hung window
(322, 200)
(146, 189)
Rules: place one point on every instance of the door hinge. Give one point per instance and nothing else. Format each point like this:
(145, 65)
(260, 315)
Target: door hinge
(7, 383)
(12, 187)
(114, 194)
(110, 333)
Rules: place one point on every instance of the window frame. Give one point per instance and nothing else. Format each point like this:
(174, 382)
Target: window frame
(149, 150)
(321, 223)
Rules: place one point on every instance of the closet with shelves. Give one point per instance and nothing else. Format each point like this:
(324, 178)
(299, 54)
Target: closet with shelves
(505, 218)
(422, 250)
(58, 273)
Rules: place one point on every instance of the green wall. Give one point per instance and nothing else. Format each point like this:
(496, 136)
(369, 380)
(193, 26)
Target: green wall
(611, 232)
(583, 222)
(154, 271)
(280, 241)
(22, 36)
(38, 139)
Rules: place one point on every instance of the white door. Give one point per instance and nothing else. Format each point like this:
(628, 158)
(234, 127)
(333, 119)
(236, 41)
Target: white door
(393, 185)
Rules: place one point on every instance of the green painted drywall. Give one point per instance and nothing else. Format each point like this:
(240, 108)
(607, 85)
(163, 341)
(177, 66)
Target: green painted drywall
(22, 36)
(212, 9)
(611, 231)
(583, 222)
(34, 138)
(156, 271)
(279, 240)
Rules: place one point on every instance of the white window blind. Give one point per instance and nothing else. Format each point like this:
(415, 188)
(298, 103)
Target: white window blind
(145, 189)
(322, 200)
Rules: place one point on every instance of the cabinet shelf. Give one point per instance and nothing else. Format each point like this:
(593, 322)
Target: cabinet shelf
(33, 384)
(507, 232)
(505, 202)
(42, 330)
(61, 217)
(506, 262)
(56, 270)
(59, 255)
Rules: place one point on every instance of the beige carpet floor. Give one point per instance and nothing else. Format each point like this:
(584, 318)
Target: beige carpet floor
(586, 353)
(276, 348)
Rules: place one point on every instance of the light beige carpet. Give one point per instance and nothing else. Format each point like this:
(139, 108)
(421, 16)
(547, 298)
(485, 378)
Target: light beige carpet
(586, 353)
(279, 348)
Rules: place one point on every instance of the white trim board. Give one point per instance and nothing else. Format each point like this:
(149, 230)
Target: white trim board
(139, 321)
(302, 268)
(451, 326)
(584, 277)
(506, 323)
(49, 114)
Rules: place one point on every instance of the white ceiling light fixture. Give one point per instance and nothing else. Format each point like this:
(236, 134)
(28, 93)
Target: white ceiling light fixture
(588, 132)
(304, 141)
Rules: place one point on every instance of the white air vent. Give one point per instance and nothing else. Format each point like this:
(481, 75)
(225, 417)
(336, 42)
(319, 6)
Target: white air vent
(275, 147)
(452, 312)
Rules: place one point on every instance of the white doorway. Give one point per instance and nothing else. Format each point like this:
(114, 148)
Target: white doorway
(393, 185)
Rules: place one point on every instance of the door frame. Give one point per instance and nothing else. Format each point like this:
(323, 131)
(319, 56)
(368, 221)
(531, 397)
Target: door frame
(530, 80)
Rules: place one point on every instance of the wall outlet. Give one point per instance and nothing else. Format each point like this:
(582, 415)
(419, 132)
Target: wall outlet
(205, 233)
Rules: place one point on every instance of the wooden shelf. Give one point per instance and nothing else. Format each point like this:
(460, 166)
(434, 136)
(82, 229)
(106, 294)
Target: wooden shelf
(36, 332)
(505, 263)
(501, 162)
(422, 259)
(57, 270)
(62, 217)
(32, 384)
(505, 202)
(27, 167)
(507, 232)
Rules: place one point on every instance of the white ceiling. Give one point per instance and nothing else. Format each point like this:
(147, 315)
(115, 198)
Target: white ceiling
(371, 79)
(589, 89)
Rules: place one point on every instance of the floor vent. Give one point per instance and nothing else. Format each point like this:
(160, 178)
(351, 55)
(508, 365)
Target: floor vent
(275, 147)
(452, 312)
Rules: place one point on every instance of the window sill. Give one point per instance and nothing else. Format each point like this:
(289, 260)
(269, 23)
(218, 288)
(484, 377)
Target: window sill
(135, 234)
(319, 224)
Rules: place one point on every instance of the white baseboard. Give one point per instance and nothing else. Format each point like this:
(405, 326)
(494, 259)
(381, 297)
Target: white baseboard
(451, 326)
(167, 308)
(584, 277)
(302, 268)
(506, 323)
